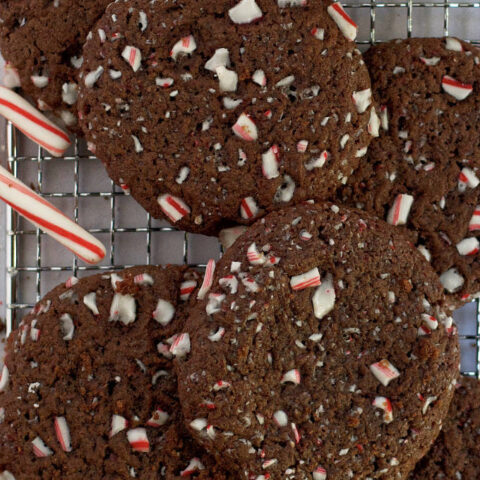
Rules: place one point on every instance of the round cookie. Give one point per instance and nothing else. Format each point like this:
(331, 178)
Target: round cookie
(42, 41)
(423, 170)
(89, 392)
(210, 120)
(322, 348)
(456, 452)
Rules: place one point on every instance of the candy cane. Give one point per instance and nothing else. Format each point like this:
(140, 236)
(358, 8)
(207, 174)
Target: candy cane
(384, 371)
(48, 218)
(32, 123)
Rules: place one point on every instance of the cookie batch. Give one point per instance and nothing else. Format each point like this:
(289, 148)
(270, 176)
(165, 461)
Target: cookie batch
(343, 187)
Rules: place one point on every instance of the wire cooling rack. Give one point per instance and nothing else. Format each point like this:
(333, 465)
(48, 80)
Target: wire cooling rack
(78, 185)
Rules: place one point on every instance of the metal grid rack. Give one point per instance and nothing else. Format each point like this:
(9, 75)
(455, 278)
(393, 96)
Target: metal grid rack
(81, 188)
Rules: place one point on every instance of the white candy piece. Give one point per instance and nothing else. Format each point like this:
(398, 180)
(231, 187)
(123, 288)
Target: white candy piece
(346, 25)
(384, 372)
(194, 465)
(246, 11)
(221, 58)
(164, 312)
(40, 449)
(430, 321)
(245, 128)
(374, 123)
(317, 162)
(132, 56)
(227, 236)
(319, 474)
(118, 424)
(280, 418)
(451, 280)
(431, 62)
(67, 327)
(292, 376)
(475, 220)
(186, 289)
(11, 78)
(158, 418)
(384, 404)
(63, 434)
(39, 81)
(362, 99)
(259, 78)
(70, 93)
(184, 46)
(468, 246)
(199, 424)
(164, 82)
(138, 439)
(324, 298)
(453, 44)
(123, 309)
(384, 117)
(425, 252)
(255, 257)
(306, 280)
(181, 345)
(217, 336)
(270, 162)
(398, 214)
(143, 279)
(467, 178)
(4, 379)
(249, 208)
(228, 79)
(456, 89)
(173, 207)
(286, 190)
(215, 301)
(92, 78)
(207, 280)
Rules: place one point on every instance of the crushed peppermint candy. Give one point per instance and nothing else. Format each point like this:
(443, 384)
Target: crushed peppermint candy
(384, 372)
(118, 424)
(451, 280)
(132, 56)
(474, 223)
(306, 280)
(324, 298)
(384, 404)
(346, 25)
(184, 46)
(207, 280)
(400, 210)
(138, 439)
(123, 309)
(453, 44)
(181, 345)
(67, 327)
(164, 312)
(186, 289)
(40, 449)
(245, 128)
(468, 246)
(362, 99)
(259, 78)
(319, 473)
(194, 465)
(158, 418)
(270, 162)
(455, 88)
(246, 11)
(63, 434)
(292, 376)
(173, 207)
(249, 208)
(221, 58)
(90, 301)
(4, 378)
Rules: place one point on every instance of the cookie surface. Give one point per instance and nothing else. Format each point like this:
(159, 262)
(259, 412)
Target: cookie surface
(94, 395)
(43, 41)
(209, 121)
(429, 92)
(347, 379)
(456, 452)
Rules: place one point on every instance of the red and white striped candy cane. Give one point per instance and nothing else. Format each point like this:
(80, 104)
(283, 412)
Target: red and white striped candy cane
(32, 123)
(48, 218)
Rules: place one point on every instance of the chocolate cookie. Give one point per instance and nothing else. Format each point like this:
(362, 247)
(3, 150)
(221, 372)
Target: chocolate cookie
(456, 453)
(215, 112)
(322, 347)
(88, 389)
(422, 172)
(43, 41)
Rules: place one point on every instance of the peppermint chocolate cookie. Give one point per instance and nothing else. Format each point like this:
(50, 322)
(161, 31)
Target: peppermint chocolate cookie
(422, 173)
(215, 112)
(88, 390)
(456, 453)
(42, 43)
(320, 351)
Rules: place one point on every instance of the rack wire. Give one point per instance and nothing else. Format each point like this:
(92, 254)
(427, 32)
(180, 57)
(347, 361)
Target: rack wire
(81, 188)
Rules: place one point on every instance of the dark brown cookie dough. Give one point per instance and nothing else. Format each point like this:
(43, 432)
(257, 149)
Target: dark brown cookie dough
(429, 149)
(349, 379)
(456, 452)
(71, 392)
(43, 40)
(210, 122)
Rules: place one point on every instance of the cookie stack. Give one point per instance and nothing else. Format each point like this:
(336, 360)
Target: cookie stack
(321, 345)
